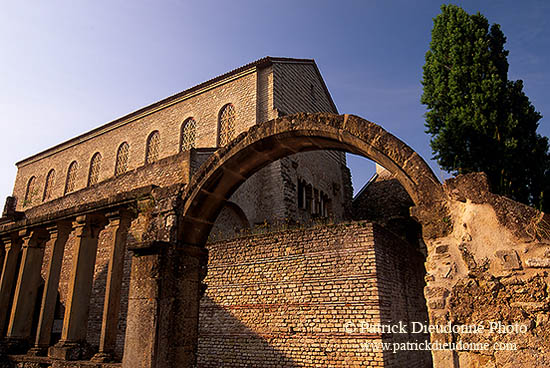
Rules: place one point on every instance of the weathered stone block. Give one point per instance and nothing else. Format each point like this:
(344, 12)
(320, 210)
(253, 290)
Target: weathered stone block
(509, 259)
(538, 262)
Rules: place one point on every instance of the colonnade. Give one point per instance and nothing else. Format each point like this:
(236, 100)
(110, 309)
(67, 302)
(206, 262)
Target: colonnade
(23, 266)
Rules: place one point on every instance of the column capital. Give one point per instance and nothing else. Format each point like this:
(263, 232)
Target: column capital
(116, 216)
(6, 241)
(113, 217)
(87, 226)
(54, 229)
(81, 221)
(32, 238)
(25, 234)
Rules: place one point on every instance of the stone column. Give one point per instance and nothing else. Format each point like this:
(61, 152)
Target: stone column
(188, 269)
(72, 345)
(2, 255)
(163, 309)
(26, 290)
(118, 226)
(12, 247)
(58, 235)
(140, 345)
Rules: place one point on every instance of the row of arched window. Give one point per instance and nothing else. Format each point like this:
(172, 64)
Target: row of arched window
(226, 132)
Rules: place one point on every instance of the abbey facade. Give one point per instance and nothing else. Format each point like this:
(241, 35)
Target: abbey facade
(299, 188)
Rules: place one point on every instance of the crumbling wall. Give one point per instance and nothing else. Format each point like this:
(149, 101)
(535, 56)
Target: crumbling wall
(491, 270)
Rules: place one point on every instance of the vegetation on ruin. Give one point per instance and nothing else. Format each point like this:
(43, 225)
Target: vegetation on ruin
(478, 119)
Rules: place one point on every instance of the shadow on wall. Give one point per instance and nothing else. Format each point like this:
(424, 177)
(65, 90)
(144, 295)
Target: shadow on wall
(230, 223)
(401, 283)
(225, 341)
(97, 300)
(301, 298)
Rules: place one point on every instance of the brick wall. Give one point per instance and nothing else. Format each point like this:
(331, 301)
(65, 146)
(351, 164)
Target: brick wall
(97, 296)
(284, 299)
(65, 275)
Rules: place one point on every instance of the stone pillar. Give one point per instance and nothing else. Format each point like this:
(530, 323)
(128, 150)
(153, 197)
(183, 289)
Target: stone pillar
(118, 226)
(188, 270)
(163, 309)
(58, 235)
(12, 247)
(140, 345)
(2, 255)
(72, 345)
(26, 290)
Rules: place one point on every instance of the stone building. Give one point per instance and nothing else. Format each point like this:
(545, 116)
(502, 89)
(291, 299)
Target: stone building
(203, 118)
(68, 230)
(108, 237)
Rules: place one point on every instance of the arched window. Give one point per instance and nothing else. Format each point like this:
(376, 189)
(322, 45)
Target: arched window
(95, 166)
(31, 191)
(188, 129)
(226, 126)
(122, 159)
(152, 148)
(50, 179)
(71, 177)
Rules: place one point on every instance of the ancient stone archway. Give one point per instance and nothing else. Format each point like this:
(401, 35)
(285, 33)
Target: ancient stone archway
(183, 267)
(471, 236)
(230, 166)
(220, 176)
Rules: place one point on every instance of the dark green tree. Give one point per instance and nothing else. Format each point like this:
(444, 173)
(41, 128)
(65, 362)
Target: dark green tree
(478, 119)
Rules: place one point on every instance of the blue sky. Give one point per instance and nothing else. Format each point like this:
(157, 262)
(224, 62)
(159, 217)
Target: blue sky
(67, 67)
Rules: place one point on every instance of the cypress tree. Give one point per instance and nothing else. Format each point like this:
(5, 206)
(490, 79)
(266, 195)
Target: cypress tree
(477, 118)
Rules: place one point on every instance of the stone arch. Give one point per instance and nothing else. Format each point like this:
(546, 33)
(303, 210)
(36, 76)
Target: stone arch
(217, 179)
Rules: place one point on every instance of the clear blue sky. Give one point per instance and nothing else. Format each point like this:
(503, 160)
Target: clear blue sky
(69, 66)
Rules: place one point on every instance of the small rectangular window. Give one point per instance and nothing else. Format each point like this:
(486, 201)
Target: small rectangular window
(301, 194)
